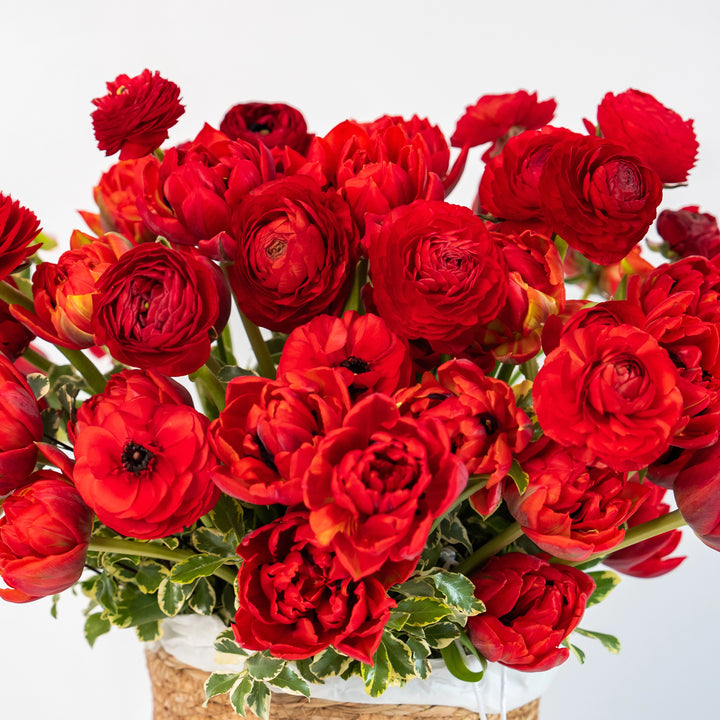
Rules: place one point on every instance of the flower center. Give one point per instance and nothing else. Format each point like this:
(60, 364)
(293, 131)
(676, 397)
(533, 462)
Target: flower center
(355, 364)
(260, 127)
(489, 422)
(136, 458)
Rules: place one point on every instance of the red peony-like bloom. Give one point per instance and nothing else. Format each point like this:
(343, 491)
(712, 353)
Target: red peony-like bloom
(649, 558)
(20, 427)
(479, 413)
(269, 431)
(15, 337)
(116, 196)
(610, 394)
(509, 187)
(136, 114)
(44, 534)
(437, 274)
(598, 197)
(18, 228)
(272, 124)
(369, 356)
(159, 308)
(689, 232)
(143, 460)
(658, 135)
(495, 118)
(64, 293)
(295, 599)
(189, 198)
(531, 606)
(296, 253)
(571, 510)
(376, 484)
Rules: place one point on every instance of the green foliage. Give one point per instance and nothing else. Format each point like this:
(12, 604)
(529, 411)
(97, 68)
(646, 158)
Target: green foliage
(605, 582)
(609, 642)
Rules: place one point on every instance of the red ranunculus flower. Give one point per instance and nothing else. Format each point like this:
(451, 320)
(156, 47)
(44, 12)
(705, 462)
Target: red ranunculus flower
(531, 606)
(64, 293)
(509, 185)
(272, 124)
(495, 118)
(116, 196)
(160, 308)
(295, 599)
(598, 197)
(15, 337)
(609, 393)
(269, 430)
(136, 114)
(296, 253)
(44, 534)
(649, 558)
(571, 510)
(190, 196)
(437, 274)
(689, 232)
(143, 460)
(658, 135)
(485, 426)
(376, 484)
(20, 427)
(18, 228)
(370, 356)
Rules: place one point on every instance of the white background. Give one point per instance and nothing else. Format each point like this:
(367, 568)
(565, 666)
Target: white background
(335, 60)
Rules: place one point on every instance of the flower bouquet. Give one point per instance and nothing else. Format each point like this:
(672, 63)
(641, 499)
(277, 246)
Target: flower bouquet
(436, 444)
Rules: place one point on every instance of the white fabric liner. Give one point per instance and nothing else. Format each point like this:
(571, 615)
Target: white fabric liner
(191, 639)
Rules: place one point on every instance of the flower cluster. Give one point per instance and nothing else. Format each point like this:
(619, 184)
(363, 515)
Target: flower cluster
(434, 435)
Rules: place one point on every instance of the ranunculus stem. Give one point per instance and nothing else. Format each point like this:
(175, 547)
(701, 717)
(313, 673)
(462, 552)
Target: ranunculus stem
(647, 530)
(13, 296)
(475, 483)
(266, 366)
(40, 362)
(206, 379)
(83, 364)
(530, 368)
(354, 301)
(490, 548)
(150, 550)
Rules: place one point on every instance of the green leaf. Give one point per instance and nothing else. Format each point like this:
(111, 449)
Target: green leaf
(329, 663)
(147, 632)
(219, 684)
(458, 590)
(400, 658)
(135, 608)
(103, 589)
(227, 516)
(225, 644)
(262, 666)
(53, 607)
(95, 626)
(204, 597)
(289, 681)
(212, 541)
(605, 581)
(441, 634)
(239, 693)
(171, 596)
(194, 567)
(39, 384)
(377, 676)
(519, 476)
(455, 661)
(421, 652)
(150, 575)
(609, 642)
(258, 700)
(228, 372)
(575, 650)
(423, 610)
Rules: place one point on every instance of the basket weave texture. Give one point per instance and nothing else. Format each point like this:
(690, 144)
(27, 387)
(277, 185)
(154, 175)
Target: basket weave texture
(178, 694)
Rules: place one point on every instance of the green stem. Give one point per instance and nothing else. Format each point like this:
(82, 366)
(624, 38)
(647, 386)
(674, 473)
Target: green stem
(12, 296)
(85, 367)
(645, 531)
(505, 372)
(150, 550)
(211, 384)
(36, 359)
(266, 366)
(354, 301)
(530, 368)
(490, 548)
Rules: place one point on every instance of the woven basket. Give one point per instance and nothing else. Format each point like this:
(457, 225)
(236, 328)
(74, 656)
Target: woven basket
(178, 694)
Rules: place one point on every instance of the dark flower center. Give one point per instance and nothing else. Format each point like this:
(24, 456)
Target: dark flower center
(136, 458)
(260, 128)
(355, 364)
(489, 422)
